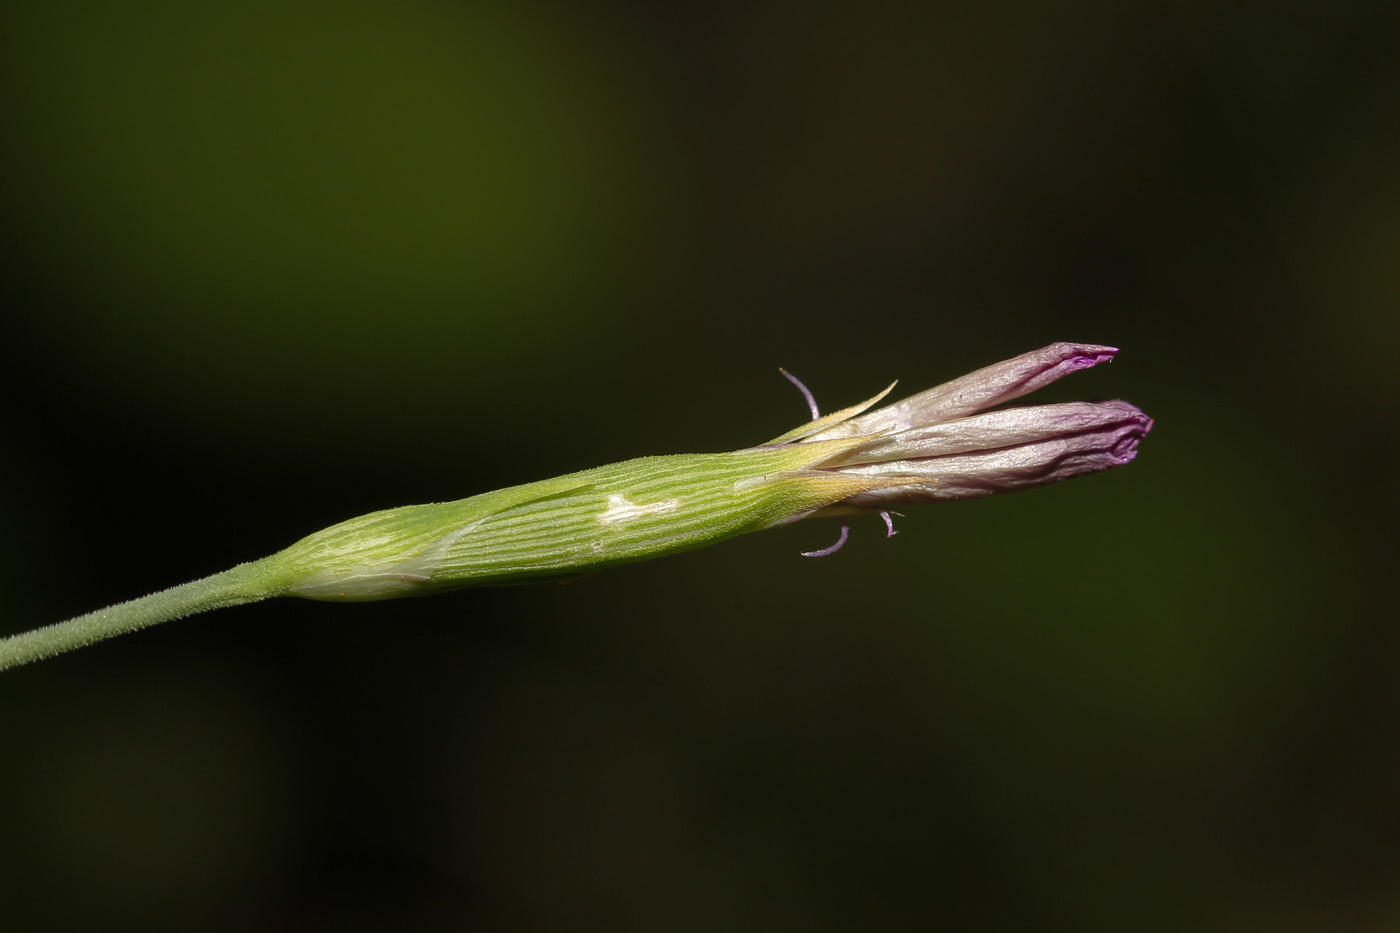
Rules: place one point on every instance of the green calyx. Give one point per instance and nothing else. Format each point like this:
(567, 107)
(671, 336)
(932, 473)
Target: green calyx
(563, 527)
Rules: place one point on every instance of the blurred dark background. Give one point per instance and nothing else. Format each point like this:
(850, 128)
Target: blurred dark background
(268, 266)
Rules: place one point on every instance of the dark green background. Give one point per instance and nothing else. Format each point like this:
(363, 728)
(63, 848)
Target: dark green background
(268, 266)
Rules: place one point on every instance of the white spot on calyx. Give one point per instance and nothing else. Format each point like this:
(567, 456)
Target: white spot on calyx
(620, 509)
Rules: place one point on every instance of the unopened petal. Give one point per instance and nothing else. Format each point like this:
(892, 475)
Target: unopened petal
(1007, 427)
(1111, 442)
(977, 391)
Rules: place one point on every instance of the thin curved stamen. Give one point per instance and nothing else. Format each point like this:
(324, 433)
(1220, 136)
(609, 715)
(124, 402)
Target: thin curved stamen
(806, 393)
(845, 531)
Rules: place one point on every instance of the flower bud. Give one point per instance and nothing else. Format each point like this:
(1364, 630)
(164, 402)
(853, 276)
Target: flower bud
(944, 444)
(940, 444)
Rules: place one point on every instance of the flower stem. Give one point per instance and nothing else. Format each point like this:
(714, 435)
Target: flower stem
(246, 583)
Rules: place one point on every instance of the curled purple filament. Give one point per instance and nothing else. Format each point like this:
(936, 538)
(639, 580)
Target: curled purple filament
(806, 393)
(845, 533)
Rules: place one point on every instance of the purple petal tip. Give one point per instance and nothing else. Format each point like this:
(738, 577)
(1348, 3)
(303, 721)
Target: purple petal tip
(1125, 447)
(1086, 356)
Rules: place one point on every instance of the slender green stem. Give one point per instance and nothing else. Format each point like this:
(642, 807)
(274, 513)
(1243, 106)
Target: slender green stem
(246, 583)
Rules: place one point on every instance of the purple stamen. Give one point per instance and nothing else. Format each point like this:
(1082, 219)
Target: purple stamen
(806, 393)
(889, 523)
(845, 530)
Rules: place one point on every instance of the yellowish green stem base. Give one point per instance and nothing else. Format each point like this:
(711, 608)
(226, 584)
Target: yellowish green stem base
(246, 583)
